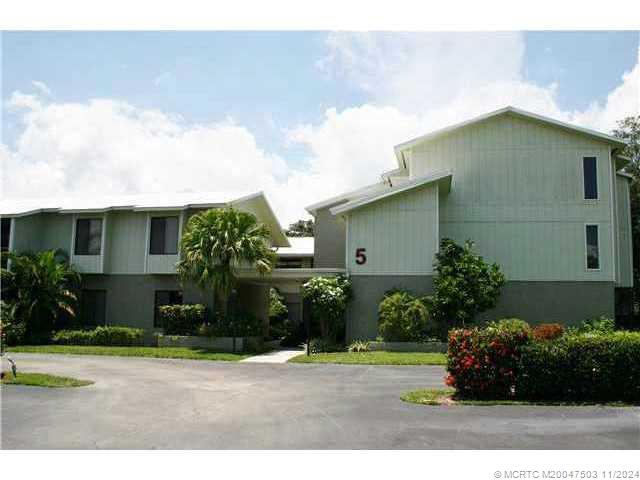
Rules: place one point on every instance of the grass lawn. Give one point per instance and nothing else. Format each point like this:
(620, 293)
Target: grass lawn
(444, 396)
(154, 352)
(374, 358)
(43, 380)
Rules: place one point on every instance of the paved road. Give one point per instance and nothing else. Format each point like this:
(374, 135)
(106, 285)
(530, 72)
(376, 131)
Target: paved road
(141, 403)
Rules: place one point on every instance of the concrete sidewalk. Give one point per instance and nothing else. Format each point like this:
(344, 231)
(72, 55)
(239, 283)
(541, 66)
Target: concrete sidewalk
(276, 356)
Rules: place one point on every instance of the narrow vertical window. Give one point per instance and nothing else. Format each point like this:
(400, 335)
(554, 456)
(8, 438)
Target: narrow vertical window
(593, 253)
(590, 171)
(6, 236)
(93, 308)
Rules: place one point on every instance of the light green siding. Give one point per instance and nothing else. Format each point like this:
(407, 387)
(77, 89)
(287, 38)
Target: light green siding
(55, 231)
(26, 234)
(517, 191)
(624, 256)
(126, 240)
(400, 234)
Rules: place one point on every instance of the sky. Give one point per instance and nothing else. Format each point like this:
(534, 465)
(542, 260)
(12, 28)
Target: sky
(302, 116)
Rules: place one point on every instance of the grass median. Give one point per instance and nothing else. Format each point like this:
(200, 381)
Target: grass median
(374, 358)
(42, 380)
(190, 353)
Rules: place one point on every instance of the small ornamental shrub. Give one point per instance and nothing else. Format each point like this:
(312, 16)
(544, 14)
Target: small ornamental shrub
(547, 331)
(464, 285)
(596, 325)
(106, 336)
(12, 330)
(402, 318)
(582, 367)
(319, 345)
(482, 362)
(328, 298)
(358, 346)
(181, 319)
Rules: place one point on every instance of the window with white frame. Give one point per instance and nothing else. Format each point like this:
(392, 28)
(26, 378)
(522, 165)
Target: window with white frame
(88, 236)
(593, 252)
(164, 236)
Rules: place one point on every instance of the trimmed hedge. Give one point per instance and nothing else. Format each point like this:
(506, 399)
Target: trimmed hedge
(483, 362)
(236, 324)
(547, 331)
(107, 336)
(182, 319)
(582, 367)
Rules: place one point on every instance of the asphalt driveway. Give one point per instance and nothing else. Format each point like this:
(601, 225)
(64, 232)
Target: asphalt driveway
(139, 403)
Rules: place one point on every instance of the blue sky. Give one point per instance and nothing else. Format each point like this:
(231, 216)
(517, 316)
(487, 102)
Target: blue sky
(279, 87)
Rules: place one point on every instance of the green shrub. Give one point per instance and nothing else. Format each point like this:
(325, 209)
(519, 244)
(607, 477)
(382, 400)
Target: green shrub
(596, 325)
(582, 367)
(181, 319)
(106, 336)
(402, 318)
(12, 330)
(464, 285)
(358, 346)
(236, 324)
(328, 298)
(319, 345)
(483, 362)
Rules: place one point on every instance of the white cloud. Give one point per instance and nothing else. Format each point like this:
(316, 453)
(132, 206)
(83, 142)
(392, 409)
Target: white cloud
(417, 84)
(41, 87)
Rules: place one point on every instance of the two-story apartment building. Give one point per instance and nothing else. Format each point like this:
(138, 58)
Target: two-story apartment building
(126, 249)
(545, 200)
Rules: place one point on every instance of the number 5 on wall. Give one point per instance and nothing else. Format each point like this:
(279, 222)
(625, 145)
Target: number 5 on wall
(361, 257)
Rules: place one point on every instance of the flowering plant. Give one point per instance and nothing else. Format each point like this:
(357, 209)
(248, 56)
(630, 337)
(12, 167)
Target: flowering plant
(328, 298)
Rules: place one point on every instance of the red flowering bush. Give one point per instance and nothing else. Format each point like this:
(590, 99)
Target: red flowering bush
(547, 331)
(482, 362)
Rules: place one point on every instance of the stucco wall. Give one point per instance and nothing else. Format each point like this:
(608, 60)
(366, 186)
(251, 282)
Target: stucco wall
(568, 303)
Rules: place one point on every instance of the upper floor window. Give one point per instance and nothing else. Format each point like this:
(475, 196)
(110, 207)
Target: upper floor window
(593, 250)
(6, 236)
(590, 171)
(164, 236)
(88, 236)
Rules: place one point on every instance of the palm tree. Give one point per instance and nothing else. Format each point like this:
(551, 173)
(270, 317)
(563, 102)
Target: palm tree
(215, 243)
(39, 287)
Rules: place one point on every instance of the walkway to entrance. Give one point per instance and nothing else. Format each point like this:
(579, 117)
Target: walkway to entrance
(276, 356)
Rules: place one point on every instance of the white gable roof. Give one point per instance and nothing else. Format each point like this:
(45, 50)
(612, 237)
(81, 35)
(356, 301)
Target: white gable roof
(441, 176)
(399, 149)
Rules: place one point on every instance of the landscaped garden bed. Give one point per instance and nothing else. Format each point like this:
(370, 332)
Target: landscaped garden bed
(219, 344)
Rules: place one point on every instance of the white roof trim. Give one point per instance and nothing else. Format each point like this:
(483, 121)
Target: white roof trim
(410, 185)
(312, 209)
(399, 149)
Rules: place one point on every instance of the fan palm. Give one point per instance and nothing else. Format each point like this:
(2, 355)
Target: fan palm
(40, 287)
(215, 243)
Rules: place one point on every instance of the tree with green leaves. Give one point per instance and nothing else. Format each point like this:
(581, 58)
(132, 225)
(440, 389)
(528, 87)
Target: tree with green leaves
(215, 243)
(301, 228)
(328, 298)
(465, 285)
(38, 289)
(629, 130)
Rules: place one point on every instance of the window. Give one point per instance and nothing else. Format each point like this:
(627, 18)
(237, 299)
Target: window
(5, 229)
(593, 254)
(164, 236)
(93, 308)
(165, 297)
(590, 171)
(88, 236)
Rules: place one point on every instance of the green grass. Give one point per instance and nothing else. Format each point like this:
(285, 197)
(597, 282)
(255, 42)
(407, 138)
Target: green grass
(374, 358)
(191, 353)
(445, 396)
(43, 380)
